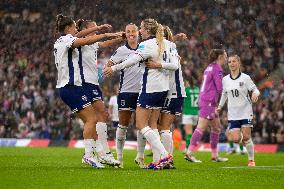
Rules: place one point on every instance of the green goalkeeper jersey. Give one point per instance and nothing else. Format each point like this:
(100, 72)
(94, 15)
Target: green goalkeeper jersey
(190, 103)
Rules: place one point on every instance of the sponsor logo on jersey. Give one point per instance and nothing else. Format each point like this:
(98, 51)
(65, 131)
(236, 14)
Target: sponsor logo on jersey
(141, 47)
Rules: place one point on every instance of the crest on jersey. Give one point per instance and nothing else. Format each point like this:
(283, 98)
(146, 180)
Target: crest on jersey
(122, 102)
(84, 98)
(95, 92)
(241, 84)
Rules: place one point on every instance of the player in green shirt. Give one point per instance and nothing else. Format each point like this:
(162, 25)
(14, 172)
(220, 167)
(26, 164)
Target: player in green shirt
(190, 109)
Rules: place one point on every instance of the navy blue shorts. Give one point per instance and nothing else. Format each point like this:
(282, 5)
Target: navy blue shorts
(93, 91)
(173, 106)
(152, 100)
(127, 101)
(75, 97)
(238, 124)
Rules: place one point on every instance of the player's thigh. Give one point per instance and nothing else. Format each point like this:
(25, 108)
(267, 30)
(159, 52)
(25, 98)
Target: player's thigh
(166, 120)
(235, 135)
(124, 117)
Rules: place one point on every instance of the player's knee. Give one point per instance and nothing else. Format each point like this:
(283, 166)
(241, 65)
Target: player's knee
(245, 139)
(236, 139)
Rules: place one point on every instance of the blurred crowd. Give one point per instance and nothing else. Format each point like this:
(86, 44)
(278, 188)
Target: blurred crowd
(29, 103)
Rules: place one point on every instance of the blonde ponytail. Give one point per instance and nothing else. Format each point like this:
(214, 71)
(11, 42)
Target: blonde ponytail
(160, 39)
(168, 34)
(154, 28)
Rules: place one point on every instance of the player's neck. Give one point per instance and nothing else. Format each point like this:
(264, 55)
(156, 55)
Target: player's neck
(235, 74)
(133, 44)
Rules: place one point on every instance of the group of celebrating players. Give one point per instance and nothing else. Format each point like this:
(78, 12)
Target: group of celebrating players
(152, 86)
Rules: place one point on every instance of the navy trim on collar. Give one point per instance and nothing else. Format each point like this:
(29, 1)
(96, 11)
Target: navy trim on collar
(236, 77)
(127, 45)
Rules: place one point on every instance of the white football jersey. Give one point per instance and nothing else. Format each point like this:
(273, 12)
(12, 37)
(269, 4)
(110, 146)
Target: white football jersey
(153, 80)
(68, 62)
(130, 77)
(237, 92)
(89, 59)
(177, 88)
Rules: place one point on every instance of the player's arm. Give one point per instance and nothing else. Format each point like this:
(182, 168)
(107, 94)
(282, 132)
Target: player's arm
(90, 30)
(171, 65)
(217, 79)
(223, 99)
(130, 61)
(111, 42)
(92, 39)
(252, 87)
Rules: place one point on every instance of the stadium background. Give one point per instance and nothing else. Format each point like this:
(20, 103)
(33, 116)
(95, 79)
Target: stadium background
(29, 103)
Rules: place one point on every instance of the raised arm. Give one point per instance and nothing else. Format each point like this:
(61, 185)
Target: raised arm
(92, 39)
(111, 42)
(90, 30)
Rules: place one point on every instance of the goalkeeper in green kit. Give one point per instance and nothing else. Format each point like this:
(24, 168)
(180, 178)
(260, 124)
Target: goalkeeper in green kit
(190, 109)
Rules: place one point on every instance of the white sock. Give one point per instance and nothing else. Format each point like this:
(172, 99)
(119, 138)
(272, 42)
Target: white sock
(102, 135)
(167, 140)
(99, 148)
(250, 149)
(89, 147)
(120, 140)
(141, 143)
(154, 141)
(156, 154)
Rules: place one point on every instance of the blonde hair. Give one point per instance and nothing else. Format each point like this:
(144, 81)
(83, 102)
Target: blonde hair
(168, 33)
(154, 28)
(237, 57)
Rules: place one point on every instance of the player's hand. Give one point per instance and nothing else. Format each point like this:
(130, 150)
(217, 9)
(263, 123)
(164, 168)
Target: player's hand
(218, 110)
(254, 98)
(108, 71)
(104, 27)
(180, 37)
(151, 64)
(108, 64)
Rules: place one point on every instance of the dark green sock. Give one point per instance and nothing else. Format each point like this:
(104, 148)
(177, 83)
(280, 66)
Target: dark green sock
(187, 140)
(231, 143)
(241, 147)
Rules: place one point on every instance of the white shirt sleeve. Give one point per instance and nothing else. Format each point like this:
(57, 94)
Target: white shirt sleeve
(224, 95)
(251, 86)
(117, 57)
(145, 51)
(173, 61)
(68, 40)
(130, 61)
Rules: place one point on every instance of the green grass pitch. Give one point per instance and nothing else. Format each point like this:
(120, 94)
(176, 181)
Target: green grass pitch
(56, 167)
